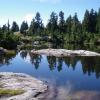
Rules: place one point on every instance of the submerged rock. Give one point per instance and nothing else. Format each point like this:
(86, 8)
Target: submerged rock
(64, 52)
(32, 87)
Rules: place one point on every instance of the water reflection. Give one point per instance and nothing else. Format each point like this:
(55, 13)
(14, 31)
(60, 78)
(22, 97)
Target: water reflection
(90, 65)
(5, 59)
(66, 92)
(69, 77)
(52, 62)
(35, 60)
(71, 61)
(23, 54)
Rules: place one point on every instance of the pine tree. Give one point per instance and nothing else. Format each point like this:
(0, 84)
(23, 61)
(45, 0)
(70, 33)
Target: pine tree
(8, 26)
(15, 27)
(24, 27)
(86, 22)
(98, 22)
(53, 22)
(36, 26)
(69, 24)
(4, 28)
(39, 25)
(52, 26)
(92, 22)
(38, 19)
(75, 24)
(32, 27)
(61, 22)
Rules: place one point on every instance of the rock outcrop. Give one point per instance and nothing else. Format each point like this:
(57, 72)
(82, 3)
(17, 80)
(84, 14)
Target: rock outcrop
(34, 88)
(2, 50)
(64, 52)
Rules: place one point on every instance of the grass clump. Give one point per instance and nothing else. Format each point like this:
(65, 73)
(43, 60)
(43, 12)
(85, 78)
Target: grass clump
(8, 92)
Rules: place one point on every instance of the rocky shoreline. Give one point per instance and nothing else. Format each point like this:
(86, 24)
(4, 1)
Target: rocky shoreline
(33, 88)
(2, 50)
(64, 52)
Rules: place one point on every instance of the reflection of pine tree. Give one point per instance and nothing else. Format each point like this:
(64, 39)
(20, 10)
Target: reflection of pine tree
(67, 61)
(23, 54)
(35, 60)
(88, 65)
(52, 62)
(60, 64)
(91, 65)
(71, 61)
(5, 59)
(97, 66)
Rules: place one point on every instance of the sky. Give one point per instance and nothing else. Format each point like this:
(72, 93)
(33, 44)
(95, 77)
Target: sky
(19, 10)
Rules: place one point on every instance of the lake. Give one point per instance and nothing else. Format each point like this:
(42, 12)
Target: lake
(69, 74)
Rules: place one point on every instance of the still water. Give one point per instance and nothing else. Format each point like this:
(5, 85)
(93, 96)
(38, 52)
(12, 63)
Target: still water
(68, 73)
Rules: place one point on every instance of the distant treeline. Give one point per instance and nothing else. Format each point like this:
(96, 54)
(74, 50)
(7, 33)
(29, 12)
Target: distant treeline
(61, 30)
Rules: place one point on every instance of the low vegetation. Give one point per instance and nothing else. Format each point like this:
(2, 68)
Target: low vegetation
(10, 52)
(8, 92)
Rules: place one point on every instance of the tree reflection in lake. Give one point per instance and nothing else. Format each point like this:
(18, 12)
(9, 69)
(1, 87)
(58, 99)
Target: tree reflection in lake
(90, 65)
(71, 61)
(52, 62)
(5, 59)
(35, 59)
(55, 62)
(23, 54)
(60, 64)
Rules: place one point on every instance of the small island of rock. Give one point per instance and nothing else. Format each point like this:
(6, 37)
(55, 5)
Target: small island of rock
(64, 52)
